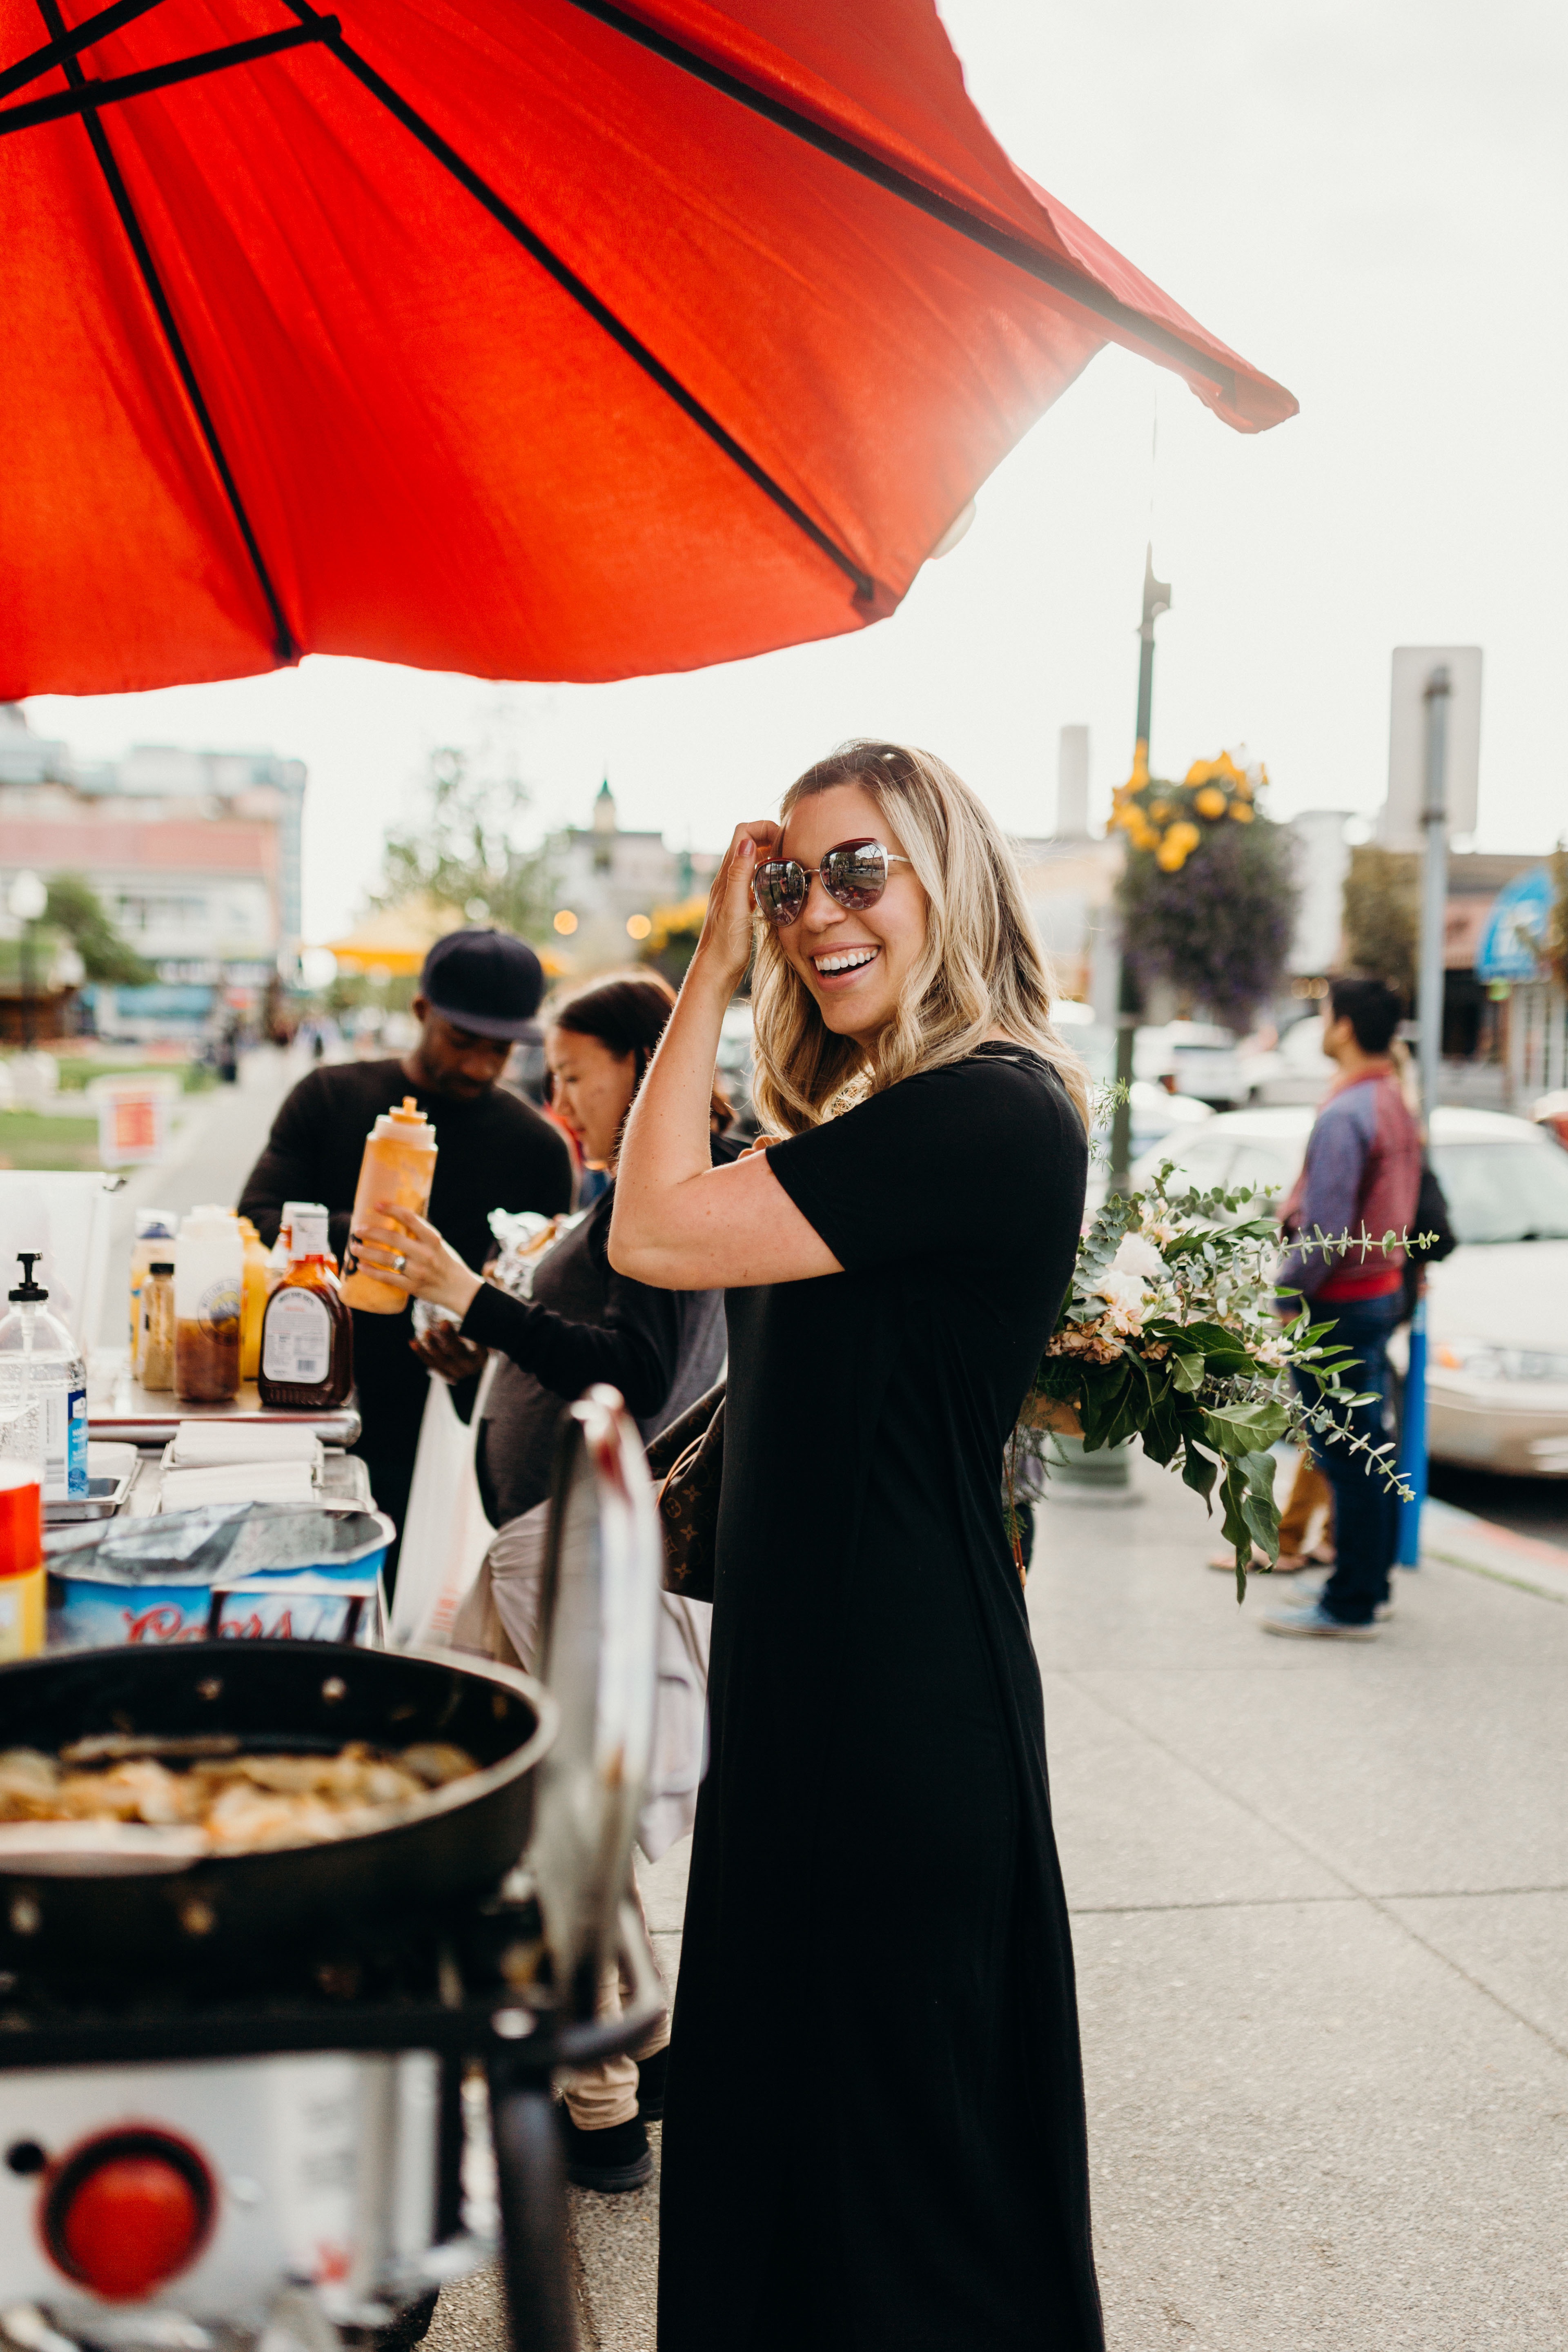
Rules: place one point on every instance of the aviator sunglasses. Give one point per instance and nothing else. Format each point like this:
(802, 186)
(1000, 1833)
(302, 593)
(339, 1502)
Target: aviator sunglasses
(853, 873)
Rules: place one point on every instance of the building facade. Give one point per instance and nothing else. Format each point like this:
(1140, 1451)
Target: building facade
(611, 886)
(195, 856)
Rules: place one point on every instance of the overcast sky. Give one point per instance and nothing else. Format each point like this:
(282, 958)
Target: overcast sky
(1368, 203)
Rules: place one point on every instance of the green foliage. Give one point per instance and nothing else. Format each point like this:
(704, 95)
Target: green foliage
(1383, 916)
(75, 908)
(462, 849)
(1557, 921)
(1170, 1334)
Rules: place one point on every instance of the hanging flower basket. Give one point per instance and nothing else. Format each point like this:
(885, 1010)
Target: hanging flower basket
(1207, 896)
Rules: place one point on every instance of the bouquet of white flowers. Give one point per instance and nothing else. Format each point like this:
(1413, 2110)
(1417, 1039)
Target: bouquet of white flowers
(1170, 1333)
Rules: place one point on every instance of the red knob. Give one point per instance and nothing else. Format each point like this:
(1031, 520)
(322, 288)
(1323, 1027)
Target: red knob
(126, 2212)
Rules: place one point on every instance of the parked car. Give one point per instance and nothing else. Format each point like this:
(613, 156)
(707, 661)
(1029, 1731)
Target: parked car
(1295, 1070)
(1497, 1388)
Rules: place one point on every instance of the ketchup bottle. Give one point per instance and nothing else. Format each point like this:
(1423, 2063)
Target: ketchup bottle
(307, 1334)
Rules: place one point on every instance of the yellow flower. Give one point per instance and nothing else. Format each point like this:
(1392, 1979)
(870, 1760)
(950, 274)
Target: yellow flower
(1188, 835)
(1171, 855)
(1160, 810)
(1242, 812)
(1210, 801)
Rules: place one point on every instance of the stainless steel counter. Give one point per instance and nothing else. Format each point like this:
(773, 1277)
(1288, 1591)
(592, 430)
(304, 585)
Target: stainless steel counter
(120, 1409)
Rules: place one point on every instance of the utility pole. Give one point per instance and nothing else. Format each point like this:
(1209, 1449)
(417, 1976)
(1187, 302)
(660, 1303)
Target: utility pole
(1156, 600)
(1434, 888)
(1429, 1017)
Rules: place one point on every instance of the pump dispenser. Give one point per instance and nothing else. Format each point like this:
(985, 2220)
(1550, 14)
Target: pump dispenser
(43, 1389)
(399, 1166)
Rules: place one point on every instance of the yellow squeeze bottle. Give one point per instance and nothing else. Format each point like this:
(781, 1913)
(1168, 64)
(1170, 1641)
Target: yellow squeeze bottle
(254, 1291)
(399, 1166)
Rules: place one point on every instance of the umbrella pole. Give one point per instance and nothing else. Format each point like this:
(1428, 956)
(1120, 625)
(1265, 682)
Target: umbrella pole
(283, 637)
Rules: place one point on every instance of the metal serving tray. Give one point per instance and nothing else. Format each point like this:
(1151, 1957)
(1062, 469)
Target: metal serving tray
(111, 1472)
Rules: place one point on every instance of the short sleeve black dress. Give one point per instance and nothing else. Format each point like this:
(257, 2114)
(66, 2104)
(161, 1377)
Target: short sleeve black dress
(874, 2133)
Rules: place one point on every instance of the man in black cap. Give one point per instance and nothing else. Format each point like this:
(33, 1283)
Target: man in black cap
(479, 991)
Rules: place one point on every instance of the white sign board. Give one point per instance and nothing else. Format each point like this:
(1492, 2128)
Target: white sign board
(133, 1116)
(1399, 826)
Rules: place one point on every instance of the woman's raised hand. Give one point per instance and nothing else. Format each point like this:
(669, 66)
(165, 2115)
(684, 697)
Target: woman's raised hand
(724, 948)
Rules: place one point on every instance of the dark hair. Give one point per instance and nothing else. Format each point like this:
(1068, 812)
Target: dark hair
(1371, 1007)
(626, 1012)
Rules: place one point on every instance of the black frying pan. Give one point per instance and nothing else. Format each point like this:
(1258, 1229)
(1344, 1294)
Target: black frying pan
(300, 1696)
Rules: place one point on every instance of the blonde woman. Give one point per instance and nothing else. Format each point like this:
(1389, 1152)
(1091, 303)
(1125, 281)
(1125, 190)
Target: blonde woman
(875, 1897)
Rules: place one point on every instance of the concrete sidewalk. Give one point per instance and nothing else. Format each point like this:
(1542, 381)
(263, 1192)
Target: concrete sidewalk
(1320, 1911)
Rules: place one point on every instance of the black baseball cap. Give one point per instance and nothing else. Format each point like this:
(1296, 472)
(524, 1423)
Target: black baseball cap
(484, 980)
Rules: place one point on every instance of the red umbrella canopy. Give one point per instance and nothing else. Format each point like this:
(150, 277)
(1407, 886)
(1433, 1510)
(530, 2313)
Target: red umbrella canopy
(537, 338)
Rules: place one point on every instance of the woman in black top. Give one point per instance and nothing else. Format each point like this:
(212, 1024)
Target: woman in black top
(874, 1872)
(585, 1321)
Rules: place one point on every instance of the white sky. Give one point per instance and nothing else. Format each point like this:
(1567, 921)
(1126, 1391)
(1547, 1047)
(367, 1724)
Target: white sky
(1368, 203)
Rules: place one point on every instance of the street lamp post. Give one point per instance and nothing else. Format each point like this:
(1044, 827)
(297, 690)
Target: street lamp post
(1156, 600)
(27, 901)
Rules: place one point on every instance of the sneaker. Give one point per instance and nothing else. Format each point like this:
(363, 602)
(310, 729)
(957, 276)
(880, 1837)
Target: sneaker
(1289, 1563)
(651, 2074)
(1314, 1624)
(616, 2158)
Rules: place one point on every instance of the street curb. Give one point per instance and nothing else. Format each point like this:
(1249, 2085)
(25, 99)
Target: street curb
(1460, 1540)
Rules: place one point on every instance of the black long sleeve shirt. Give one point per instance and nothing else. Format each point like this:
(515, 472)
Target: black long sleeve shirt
(584, 1323)
(495, 1152)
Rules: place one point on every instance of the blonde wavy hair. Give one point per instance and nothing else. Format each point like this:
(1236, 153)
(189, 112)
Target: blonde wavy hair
(982, 966)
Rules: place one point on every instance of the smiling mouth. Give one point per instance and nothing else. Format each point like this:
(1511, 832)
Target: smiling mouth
(844, 960)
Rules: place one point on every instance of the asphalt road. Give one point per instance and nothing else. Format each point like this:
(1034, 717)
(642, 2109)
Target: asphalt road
(212, 1153)
(1531, 1507)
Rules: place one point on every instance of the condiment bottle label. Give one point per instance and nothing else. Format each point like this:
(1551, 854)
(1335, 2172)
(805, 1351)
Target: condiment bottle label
(219, 1306)
(65, 1444)
(296, 1339)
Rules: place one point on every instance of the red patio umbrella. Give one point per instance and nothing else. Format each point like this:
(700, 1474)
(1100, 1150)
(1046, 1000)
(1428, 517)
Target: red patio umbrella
(537, 338)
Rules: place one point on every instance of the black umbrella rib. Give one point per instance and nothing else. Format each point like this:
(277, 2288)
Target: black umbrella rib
(283, 640)
(584, 296)
(1059, 275)
(91, 95)
(82, 36)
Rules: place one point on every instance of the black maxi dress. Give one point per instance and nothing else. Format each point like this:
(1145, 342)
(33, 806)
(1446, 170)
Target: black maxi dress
(874, 2134)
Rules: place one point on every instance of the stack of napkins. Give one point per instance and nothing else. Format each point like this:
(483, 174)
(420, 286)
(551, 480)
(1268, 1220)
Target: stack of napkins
(238, 1482)
(196, 1444)
(239, 1461)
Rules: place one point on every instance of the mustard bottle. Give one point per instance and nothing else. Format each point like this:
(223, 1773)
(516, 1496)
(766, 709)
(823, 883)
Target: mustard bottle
(253, 1283)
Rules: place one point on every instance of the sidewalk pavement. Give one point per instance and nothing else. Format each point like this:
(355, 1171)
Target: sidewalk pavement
(1320, 1897)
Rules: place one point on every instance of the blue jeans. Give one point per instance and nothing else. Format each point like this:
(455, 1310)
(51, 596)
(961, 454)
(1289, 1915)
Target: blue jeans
(1367, 1511)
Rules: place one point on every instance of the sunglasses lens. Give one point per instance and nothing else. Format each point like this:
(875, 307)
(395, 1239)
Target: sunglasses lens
(779, 888)
(855, 873)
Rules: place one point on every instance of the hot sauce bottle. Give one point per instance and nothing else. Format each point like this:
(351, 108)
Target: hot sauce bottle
(306, 1336)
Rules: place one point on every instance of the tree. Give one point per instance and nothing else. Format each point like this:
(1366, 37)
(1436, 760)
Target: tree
(1208, 894)
(462, 850)
(1383, 916)
(74, 908)
(671, 944)
(1557, 922)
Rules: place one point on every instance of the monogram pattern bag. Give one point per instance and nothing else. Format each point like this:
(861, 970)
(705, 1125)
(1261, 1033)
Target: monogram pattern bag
(688, 1459)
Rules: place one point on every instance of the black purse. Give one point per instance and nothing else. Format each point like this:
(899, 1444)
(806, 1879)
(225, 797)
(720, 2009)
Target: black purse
(688, 1460)
(1431, 1217)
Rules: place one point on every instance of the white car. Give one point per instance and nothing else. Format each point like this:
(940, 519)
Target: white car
(1497, 1382)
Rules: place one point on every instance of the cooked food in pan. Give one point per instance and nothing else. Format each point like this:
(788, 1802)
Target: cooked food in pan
(209, 1794)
